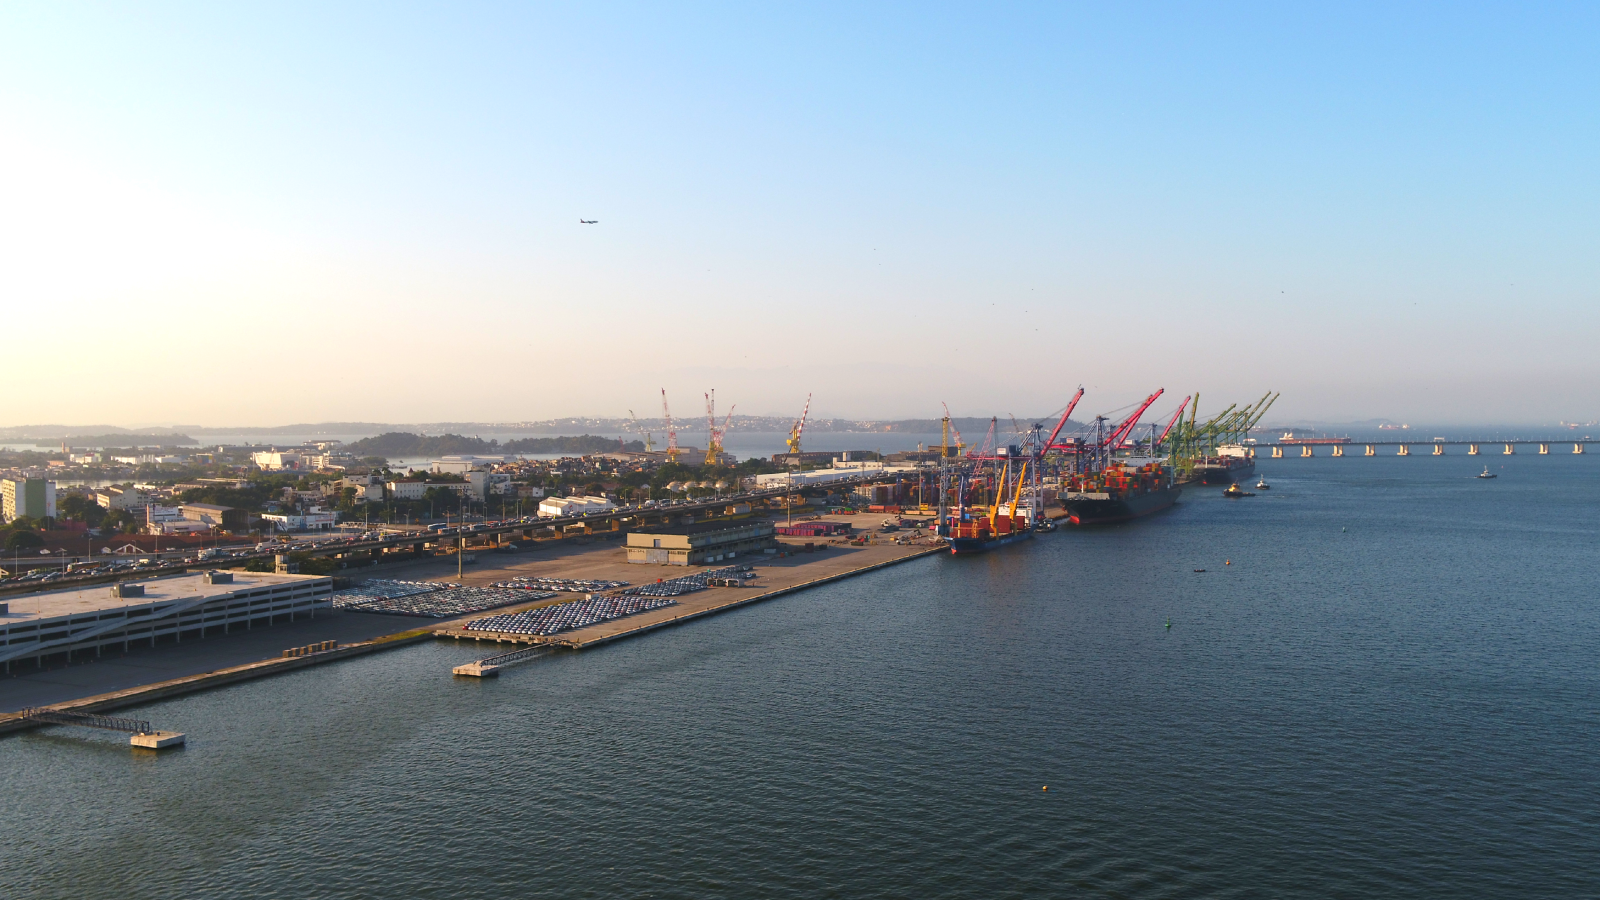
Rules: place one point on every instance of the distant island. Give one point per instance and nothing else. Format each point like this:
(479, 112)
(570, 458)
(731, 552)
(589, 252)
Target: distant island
(406, 444)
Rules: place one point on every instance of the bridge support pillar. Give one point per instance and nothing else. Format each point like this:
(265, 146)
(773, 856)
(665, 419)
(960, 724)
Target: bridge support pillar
(1544, 449)
(1577, 448)
(1438, 449)
(1510, 450)
(1371, 450)
(1472, 449)
(1306, 450)
(1338, 450)
(1277, 453)
(1405, 450)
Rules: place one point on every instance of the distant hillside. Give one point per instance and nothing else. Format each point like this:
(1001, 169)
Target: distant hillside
(113, 440)
(406, 444)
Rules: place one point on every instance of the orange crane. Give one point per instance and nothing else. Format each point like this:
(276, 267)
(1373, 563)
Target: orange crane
(944, 449)
(713, 433)
(799, 427)
(672, 433)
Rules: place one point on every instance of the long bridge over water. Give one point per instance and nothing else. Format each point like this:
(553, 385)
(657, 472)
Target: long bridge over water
(1283, 449)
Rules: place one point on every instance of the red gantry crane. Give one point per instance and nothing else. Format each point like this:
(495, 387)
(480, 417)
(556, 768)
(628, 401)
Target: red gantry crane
(1122, 431)
(1170, 422)
(1051, 443)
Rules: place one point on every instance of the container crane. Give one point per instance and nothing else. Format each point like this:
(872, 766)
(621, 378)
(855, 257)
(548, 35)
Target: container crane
(1051, 443)
(799, 427)
(986, 449)
(672, 433)
(1170, 422)
(1122, 431)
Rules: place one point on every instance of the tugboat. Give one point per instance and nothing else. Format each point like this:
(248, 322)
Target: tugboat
(1262, 485)
(1236, 491)
(1486, 474)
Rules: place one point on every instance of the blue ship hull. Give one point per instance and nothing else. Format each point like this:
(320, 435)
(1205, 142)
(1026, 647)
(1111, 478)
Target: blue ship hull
(979, 545)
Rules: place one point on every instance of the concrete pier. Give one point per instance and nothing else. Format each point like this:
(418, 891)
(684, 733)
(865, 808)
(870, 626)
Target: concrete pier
(157, 740)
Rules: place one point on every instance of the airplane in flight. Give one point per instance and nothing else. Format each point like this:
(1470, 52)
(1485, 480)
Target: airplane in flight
(588, 221)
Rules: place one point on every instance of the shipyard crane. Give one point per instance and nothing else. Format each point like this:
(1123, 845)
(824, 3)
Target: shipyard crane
(636, 428)
(713, 433)
(672, 433)
(946, 430)
(1122, 431)
(799, 428)
(986, 449)
(1051, 443)
(1170, 422)
(1256, 419)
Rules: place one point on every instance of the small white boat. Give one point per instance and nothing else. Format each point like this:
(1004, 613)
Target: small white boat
(1486, 474)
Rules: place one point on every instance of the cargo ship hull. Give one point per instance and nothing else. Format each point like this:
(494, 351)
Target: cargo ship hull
(1103, 509)
(1231, 469)
(963, 546)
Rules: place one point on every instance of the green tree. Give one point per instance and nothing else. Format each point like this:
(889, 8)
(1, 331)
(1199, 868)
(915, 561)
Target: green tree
(23, 540)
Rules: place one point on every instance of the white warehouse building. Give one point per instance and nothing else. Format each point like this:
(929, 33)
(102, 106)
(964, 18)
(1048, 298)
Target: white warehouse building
(557, 507)
(84, 621)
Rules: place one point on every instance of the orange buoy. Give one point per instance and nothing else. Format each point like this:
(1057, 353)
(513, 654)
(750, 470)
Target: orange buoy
(1045, 788)
(1228, 563)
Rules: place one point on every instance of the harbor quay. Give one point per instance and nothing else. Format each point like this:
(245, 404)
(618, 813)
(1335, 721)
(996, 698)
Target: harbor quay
(168, 666)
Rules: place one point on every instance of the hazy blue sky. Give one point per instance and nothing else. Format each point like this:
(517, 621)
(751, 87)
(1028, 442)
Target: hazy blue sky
(223, 215)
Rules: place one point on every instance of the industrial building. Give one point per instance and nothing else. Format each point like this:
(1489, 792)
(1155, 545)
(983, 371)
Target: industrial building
(557, 507)
(210, 515)
(706, 542)
(818, 528)
(271, 460)
(314, 520)
(69, 624)
(32, 497)
(821, 457)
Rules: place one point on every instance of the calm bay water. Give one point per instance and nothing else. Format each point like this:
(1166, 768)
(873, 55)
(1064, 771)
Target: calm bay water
(1391, 691)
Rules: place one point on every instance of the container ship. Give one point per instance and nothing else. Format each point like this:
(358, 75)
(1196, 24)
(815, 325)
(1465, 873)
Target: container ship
(1232, 463)
(976, 530)
(984, 533)
(1119, 493)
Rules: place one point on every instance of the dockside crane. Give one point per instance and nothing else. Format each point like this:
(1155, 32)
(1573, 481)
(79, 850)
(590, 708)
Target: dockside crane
(1122, 431)
(672, 433)
(713, 433)
(986, 449)
(636, 428)
(1170, 422)
(799, 427)
(946, 430)
(1051, 443)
